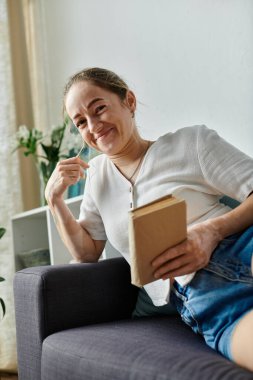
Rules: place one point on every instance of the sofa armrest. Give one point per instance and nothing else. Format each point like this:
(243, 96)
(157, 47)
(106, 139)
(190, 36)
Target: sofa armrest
(53, 298)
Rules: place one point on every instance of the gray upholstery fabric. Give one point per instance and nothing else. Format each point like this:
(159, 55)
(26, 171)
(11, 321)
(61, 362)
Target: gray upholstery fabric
(160, 348)
(54, 298)
(73, 322)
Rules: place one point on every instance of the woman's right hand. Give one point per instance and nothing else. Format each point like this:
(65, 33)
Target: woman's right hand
(67, 172)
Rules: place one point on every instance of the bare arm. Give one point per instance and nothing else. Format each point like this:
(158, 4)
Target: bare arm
(202, 239)
(78, 241)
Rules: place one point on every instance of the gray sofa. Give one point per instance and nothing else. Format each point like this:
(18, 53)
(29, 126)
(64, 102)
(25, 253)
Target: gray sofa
(74, 322)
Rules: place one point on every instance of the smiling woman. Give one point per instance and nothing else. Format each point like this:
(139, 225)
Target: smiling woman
(194, 163)
(103, 120)
(102, 107)
(104, 102)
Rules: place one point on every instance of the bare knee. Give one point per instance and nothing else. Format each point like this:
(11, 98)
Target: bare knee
(242, 342)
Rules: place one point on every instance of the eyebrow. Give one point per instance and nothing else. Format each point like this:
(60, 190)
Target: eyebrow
(89, 105)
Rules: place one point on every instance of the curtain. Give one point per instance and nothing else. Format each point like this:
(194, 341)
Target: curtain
(28, 50)
(33, 13)
(22, 101)
(10, 194)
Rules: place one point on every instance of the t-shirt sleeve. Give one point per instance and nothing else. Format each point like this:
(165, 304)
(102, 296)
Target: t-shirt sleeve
(89, 216)
(224, 167)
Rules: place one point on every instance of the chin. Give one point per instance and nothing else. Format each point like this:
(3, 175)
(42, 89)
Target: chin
(109, 147)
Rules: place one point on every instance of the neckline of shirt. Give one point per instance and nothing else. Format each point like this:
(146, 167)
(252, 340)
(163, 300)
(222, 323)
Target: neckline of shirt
(118, 173)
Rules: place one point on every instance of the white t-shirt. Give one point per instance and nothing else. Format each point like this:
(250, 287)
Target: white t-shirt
(193, 163)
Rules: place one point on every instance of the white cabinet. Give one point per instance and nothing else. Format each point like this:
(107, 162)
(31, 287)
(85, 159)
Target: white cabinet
(36, 229)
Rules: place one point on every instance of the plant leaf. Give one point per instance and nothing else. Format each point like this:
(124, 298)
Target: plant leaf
(51, 151)
(3, 305)
(2, 232)
(2, 279)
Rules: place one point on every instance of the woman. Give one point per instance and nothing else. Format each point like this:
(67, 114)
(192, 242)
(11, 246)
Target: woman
(194, 163)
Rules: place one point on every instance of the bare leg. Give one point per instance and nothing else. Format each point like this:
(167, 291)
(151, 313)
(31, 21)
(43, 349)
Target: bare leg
(242, 342)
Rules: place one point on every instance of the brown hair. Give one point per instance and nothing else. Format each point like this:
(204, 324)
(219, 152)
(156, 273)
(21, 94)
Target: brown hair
(100, 77)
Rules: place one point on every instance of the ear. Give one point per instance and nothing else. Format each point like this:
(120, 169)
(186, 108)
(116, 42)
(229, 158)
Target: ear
(131, 101)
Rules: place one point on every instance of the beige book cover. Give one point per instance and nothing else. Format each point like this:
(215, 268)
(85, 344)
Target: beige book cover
(153, 228)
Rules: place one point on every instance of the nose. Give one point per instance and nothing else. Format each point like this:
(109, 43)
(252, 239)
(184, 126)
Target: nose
(94, 125)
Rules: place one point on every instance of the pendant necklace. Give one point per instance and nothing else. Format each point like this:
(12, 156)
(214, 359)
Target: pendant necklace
(139, 163)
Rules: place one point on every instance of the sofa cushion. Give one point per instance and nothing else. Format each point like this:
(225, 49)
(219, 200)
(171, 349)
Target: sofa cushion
(160, 348)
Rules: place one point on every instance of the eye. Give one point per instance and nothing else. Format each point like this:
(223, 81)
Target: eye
(99, 109)
(81, 123)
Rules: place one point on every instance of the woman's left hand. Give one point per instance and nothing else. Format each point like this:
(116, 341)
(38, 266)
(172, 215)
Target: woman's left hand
(189, 256)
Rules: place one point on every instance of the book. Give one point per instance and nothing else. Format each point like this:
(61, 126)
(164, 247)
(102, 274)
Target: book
(153, 228)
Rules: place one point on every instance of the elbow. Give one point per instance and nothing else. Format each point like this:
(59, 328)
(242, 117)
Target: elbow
(83, 258)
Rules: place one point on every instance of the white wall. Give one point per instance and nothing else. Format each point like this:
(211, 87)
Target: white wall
(188, 61)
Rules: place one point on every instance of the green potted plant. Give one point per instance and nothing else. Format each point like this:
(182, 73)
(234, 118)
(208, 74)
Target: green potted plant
(48, 149)
(2, 232)
(45, 149)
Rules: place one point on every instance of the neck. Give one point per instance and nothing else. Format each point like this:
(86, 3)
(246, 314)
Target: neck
(132, 152)
(129, 162)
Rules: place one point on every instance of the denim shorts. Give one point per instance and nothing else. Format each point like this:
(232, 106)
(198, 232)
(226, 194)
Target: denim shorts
(219, 294)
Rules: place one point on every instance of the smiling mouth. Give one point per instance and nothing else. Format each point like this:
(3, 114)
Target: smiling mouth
(102, 135)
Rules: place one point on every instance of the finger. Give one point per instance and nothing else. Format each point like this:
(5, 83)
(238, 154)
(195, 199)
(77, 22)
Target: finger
(71, 167)
(186, 269)
(71, 160)
(168, 255)
(74, 174)
(74, 160)
(67, 180)
(84, 164)
(68, 166)
(173, 264)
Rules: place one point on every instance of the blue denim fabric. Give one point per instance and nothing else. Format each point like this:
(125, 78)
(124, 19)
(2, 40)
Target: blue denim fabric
(220, 294)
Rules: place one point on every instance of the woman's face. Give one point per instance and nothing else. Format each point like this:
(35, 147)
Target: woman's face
(103, 120)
